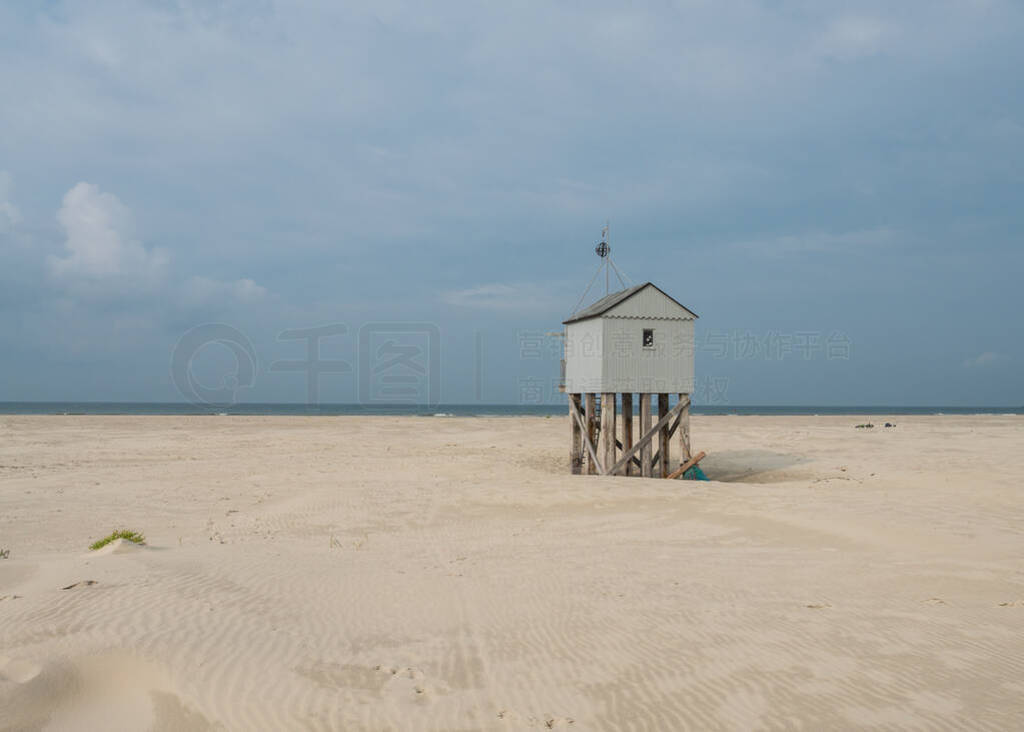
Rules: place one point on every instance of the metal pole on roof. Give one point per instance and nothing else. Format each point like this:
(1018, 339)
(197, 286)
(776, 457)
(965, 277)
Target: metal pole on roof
(617, 272)
(603, 250)
(608, 257)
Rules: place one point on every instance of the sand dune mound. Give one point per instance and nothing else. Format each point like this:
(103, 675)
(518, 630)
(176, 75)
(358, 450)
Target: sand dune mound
(18, 670)
(119, 546)
(109, 692)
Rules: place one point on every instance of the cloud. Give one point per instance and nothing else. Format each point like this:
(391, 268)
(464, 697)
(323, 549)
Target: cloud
(853, 37)
(101, 251)
(200, 290)
(9, 216)
(982, 360)
(104, 260)
(818, 242)
(519, 297)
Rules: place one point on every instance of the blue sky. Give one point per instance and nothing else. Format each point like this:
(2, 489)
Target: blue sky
(800, 174)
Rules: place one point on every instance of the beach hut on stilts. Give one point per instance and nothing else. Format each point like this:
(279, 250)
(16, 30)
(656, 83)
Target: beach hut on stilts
(637, 341)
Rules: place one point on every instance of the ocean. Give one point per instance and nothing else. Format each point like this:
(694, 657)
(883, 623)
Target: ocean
(448, 410)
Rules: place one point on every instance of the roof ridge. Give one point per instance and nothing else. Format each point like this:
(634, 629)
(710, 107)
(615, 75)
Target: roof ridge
(612, 299)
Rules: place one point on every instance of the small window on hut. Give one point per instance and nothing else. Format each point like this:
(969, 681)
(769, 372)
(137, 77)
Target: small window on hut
(648, 338)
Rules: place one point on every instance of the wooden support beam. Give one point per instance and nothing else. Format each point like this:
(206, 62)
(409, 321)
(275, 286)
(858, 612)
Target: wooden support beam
(645, 440)
(671, 431)
(686, 466)
(590, 400)
(663, 439)
(675, 424)
(593, 465)
(635, 461)
(657, 453)
(608, 428)
(645, 428)
(575, 436)
(684, 429)
(627, 428)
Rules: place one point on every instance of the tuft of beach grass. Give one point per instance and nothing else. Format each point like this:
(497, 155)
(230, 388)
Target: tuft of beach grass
(133, 536)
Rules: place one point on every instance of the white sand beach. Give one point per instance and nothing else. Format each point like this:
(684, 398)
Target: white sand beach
(433, 573)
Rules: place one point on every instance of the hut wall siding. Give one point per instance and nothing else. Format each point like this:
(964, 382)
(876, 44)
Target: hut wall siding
(583, 356)
(628, 366)
(607, 355)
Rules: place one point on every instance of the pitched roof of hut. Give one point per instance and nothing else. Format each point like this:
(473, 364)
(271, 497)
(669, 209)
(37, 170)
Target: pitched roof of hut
(609, 301)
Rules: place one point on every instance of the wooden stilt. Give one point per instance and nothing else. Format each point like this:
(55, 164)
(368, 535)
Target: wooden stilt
(590, 402)
(608, 429)
(576, 437)
(645, 427)
(587, 442)
(663, 439)
(627, 428)
(684, 430)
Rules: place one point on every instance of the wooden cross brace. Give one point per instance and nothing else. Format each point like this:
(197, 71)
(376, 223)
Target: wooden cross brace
(657, 453)
(649, 435)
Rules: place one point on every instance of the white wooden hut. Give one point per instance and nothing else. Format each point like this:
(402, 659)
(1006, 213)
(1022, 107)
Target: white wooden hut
(635, 341)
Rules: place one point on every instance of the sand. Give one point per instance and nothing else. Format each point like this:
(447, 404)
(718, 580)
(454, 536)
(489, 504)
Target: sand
(432, 573)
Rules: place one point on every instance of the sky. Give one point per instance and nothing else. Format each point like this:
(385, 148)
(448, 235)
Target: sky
(188, 190)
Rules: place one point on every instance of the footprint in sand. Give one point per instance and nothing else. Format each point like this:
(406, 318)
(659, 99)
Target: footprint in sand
(408, 682)
(546, 721)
